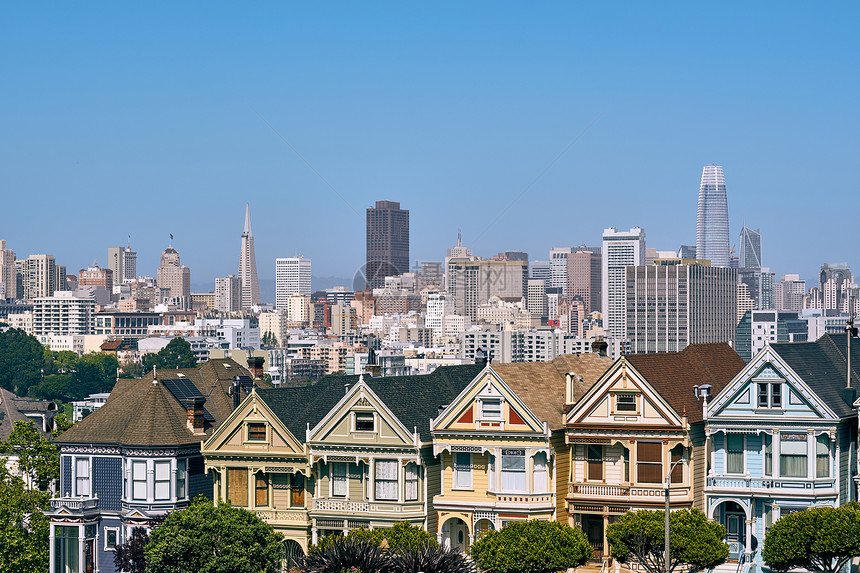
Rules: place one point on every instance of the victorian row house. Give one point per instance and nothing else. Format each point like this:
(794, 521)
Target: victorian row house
(782, 437)
(348, 452)
(135, 459)
(639, 430)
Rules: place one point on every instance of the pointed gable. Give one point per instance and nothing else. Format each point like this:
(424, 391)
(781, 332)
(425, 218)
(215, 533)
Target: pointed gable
(233, 435)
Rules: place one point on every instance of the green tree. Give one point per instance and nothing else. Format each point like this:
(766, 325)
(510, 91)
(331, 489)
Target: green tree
(207, 538)
(177, 354)
(95, 372)
(132, 370)
(55, 387)
(23, 526)
(61, 424)
(534, 546)
(817, 539)
(59, 362)
(38, 459)
(403, 535)
(21, 361)
(695, 542)
(269, 339)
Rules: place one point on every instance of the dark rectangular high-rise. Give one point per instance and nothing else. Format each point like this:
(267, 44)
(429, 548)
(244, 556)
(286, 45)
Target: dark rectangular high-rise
(387, 242)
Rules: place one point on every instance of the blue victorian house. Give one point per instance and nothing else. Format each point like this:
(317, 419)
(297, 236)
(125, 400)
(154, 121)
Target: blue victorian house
(780, 439)
(135, 459)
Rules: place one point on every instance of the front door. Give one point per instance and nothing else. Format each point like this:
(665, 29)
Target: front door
(735, 533)
(459, 537)
(298, 491)
(593, 526)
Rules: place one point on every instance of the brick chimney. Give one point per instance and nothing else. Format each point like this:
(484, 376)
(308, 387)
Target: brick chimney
(194, 414)
(255, 365)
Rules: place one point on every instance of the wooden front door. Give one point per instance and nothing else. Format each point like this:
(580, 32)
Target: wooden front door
(298, 491)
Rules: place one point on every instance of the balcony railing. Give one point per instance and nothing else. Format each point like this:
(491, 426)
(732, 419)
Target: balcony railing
(340, 505)
(589, 490)
(747, 483)
(279, 516)
(75, 503)
(346, 506)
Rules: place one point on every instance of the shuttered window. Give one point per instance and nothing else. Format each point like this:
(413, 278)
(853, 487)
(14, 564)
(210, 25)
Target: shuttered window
(649, 462)
(237, 487)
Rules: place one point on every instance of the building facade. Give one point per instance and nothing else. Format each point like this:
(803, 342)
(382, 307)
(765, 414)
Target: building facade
(387, 242)
(248, 264)
(712, 222)
(621, 249)
(292, 276)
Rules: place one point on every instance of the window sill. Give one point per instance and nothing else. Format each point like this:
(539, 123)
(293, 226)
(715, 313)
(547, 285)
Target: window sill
(462, 489)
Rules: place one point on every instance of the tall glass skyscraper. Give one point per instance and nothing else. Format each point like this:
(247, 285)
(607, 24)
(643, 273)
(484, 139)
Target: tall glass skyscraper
(712, 225)
(750, 248)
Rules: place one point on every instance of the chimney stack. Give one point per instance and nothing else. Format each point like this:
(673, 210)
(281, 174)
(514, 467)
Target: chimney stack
(194, 410)
(255, 365)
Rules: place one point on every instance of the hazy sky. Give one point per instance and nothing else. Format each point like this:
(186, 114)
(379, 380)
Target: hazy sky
(151, 118)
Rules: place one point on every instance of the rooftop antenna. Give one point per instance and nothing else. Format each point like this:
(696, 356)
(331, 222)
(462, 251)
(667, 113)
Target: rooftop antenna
(129, 243)
(171, 240)
(459, 238)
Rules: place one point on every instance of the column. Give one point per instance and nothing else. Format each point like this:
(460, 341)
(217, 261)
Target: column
(748, 540)
(810, 454)
(51, 549)
(777, 469)
(313, 535)
(605, 539)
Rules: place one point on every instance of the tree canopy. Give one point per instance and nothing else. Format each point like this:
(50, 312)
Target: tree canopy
(269, 339)
(21, 361)
(70, 377)
(402, 535)
(38, 459)
(817, 539)
(177, 354)
(534, 546)
(695, 542)
(207, 538)
(23, 526)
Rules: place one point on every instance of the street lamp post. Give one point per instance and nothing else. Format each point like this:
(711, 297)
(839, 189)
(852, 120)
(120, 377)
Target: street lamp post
(666, 556)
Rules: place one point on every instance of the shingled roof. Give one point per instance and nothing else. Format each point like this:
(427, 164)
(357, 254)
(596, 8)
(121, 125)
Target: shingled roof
(413, 399)
(541, 384)
(673, 374)
(14, 408)
(142, 413)
(823, 365)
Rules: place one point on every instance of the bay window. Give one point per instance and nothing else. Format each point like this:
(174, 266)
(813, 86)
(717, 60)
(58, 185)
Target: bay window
(339, 482)
(768, 455)
(181, 476)
(82, 477)
(649, 462)
(513, 470)
(539, 475)
(386, 480)
(162, 480)
(138, 480)
(462, 470)
(411, 482)
(734, 454)
(822, 456)
(792, 455)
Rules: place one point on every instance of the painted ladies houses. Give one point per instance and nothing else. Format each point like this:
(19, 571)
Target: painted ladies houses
(135, 458)
(501, 444)
(782, 436)
(639, 423)
(347, 452)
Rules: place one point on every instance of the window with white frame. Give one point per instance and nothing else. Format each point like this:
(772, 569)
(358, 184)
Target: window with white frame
(162, 480)
(386, 480)
(513, 470)
(768, 455)
(111, 538)
(625, 402)
(792, 455)
(339, 482)
(491, 467)
(734, 454)
(462, 470)
(491, 409)
(822, 456)
(364, 422)
(412, 481)
(138, 480)
(540, 473)
(769, 395)
(82, 477)
(181, 478)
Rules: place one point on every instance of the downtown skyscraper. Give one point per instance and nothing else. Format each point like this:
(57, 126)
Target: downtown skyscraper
(387, 243)
(712, 223)
(248, 265)
(621, 249)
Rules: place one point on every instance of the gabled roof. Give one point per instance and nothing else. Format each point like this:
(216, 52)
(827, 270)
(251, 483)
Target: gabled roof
(11, 413)
(673, 374)
(140, 413)
(413, 399)
(540, 385)
(823, 366)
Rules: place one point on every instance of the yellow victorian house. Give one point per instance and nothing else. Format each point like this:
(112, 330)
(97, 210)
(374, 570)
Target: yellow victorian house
(498, 443)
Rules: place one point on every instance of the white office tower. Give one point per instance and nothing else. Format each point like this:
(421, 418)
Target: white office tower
(558, 268)
(292, 275)
(228, 294)
(8, 276)
(621, 249)
(712, 223)
(248, 265)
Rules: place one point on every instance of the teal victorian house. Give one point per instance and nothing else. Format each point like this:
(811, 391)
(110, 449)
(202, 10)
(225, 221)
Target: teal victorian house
(780, 437)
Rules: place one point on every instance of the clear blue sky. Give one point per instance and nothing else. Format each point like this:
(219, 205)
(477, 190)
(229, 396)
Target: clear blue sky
(142, 119)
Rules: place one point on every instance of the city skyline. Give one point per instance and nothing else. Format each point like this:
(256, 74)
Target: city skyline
(160, 119)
